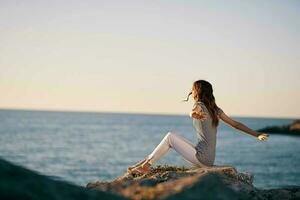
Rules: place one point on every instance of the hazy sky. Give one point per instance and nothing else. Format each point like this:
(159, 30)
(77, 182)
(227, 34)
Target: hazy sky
(142, 56)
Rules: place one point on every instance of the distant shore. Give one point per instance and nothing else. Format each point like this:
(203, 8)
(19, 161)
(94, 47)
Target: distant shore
(291, 129)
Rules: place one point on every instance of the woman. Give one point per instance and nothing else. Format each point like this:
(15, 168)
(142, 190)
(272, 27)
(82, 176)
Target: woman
(205, 115)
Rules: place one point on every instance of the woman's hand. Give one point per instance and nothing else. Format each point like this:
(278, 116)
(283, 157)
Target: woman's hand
(262, 136)
(198, 115)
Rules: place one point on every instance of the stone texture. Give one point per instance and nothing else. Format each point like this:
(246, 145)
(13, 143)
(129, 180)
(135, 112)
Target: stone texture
(169, 182)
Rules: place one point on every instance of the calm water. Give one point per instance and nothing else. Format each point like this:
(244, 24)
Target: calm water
(83, 147)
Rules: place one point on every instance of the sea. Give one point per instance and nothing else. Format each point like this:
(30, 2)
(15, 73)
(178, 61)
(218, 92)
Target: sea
(83, 147)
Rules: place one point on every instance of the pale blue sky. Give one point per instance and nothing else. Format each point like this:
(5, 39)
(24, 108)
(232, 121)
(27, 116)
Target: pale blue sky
(142, 56)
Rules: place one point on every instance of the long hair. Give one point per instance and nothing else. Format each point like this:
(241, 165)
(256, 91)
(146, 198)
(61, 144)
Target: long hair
(204, 92)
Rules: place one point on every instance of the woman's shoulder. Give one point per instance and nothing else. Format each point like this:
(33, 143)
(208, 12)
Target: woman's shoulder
(199, 103)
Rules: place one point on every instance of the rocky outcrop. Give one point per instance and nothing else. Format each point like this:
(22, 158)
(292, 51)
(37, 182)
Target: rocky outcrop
(163, 182)
(293, 129)
(168, 182)
(19, 183)
(295, 125)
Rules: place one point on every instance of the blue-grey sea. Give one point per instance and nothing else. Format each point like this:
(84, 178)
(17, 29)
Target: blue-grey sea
(81, 147)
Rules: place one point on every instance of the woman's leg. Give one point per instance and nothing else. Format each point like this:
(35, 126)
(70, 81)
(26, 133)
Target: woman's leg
(181, 145)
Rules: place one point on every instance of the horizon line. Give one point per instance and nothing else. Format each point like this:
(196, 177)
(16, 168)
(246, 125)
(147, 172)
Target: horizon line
(128, 112)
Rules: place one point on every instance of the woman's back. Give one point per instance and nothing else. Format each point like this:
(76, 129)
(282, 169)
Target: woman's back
(206, 135)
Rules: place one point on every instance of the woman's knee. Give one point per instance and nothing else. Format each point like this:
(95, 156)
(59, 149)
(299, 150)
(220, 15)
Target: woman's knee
(172, 138)
(171, 134)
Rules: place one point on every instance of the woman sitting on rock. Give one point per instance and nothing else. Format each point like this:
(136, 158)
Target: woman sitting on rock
(205, 115)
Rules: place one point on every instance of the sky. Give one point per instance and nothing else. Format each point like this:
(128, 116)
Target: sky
(143, 56)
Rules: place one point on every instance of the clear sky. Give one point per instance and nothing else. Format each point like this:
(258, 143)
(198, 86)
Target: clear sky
(142, 56)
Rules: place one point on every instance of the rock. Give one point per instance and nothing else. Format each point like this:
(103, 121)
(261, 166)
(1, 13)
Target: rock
(292, 129)
(169, 182)
(287, 193)
(295, 125)
(20, 183)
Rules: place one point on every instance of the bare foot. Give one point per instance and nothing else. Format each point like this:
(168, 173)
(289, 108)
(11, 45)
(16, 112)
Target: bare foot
(146, 166)
(142, 168)
(136, 165)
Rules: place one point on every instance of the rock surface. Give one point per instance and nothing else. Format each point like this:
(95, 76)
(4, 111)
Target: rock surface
(19, 183)
(169, 182)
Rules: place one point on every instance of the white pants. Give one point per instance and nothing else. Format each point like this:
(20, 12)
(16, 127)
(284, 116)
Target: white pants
(181, 145)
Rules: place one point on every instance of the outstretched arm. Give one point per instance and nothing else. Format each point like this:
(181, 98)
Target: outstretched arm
(242, 127)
